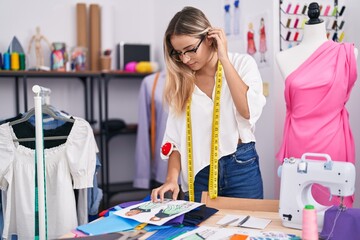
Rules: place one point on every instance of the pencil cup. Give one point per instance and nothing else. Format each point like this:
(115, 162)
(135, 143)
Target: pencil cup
(309, 223)
(105, 63)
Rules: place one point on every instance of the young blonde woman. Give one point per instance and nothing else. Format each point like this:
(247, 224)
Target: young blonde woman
(215, 99)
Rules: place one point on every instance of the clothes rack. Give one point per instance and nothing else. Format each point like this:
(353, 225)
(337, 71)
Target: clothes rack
(38, 102)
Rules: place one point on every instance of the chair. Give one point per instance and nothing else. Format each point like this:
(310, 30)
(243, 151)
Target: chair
(263, 205)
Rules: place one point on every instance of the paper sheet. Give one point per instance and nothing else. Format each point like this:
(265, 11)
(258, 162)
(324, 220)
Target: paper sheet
(215, 233)
(157, 213)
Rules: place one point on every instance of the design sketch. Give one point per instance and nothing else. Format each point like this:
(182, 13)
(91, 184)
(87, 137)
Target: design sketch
(251, 49)
(262, 44)
(170, 210)
(146, 207)
(157, 213)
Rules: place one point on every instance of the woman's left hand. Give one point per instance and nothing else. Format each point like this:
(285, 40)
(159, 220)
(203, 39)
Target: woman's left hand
(219, 36)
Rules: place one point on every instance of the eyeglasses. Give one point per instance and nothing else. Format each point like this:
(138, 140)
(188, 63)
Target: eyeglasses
(177, 56)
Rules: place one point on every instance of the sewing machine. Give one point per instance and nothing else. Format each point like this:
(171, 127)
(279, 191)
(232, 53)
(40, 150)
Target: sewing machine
(297, 177)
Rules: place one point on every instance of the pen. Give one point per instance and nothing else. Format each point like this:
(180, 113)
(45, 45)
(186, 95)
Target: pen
(229, 222)
(197, 234)
(243, 221)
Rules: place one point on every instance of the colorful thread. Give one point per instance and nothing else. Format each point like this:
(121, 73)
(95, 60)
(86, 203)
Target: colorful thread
(309, 223)
(6, 61)
(22, 61)
(15, 62)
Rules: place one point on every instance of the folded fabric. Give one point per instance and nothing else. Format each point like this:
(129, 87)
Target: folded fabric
(151, 227)
(340, 225)
(110, 236)
(198, 215)
(110, 224)
(170, 233)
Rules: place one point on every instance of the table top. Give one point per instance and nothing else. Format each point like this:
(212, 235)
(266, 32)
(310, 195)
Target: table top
(275, 224)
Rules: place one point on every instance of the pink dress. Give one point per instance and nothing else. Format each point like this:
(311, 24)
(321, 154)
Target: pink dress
(262, 43)
(251, 49)
(317, 120)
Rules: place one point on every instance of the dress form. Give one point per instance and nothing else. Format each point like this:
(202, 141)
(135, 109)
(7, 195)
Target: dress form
(320, 75)
(314, 36)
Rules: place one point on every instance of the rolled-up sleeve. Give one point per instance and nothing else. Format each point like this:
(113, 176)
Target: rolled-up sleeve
(249, 73)
(172, 134)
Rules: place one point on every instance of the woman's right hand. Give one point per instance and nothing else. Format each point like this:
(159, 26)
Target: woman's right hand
(158, 193)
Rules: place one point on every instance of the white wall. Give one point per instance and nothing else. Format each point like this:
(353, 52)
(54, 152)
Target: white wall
(353, 35)
(145, 21)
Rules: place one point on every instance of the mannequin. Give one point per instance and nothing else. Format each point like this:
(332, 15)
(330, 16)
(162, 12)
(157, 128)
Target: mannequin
(320, 75)
(314, 36)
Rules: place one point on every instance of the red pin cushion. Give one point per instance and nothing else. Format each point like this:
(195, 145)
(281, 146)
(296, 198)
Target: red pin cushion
(167, 149)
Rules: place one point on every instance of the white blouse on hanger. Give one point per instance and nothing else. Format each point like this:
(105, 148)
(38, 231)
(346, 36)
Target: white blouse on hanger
(68, 166)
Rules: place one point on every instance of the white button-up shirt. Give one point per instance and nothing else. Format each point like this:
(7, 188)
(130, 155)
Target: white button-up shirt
(232, 125)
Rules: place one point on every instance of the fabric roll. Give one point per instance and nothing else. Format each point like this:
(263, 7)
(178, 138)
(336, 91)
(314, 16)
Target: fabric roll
(81, 24)
(95, 37)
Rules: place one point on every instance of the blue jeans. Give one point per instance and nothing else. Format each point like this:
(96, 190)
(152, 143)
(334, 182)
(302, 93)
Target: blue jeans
(239, 175)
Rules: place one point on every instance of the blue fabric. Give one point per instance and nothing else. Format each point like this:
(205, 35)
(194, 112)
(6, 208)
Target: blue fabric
(110, 224)
(239, 175)
(95, 194)
(48, 124)
(171, 233)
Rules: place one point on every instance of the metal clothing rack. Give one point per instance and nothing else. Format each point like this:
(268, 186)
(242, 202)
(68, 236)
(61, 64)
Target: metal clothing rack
(39, 150)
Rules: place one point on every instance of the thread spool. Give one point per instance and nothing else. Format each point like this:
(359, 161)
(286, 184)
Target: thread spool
(146, 67)
(130, 66)
(1, 61)
(22, 61)
(309, 223)
(15, 62)
(6, 61)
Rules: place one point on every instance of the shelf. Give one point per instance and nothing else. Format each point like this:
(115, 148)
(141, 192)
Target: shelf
(126, 187)
(50, 74)
(129, 129)
(58, 74)
(107, 134)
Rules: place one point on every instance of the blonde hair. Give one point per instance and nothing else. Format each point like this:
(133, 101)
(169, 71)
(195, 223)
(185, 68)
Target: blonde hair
(180, 78)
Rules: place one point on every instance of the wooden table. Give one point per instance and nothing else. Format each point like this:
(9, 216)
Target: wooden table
(275, 224)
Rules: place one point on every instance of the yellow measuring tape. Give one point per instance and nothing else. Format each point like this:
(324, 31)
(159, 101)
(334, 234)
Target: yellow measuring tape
(213, 175)
(140, 226)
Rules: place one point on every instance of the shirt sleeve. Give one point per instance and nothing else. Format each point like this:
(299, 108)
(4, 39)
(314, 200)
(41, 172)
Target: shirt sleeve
(6, 156)
(81, 152)
(172, 134)
(249, 73)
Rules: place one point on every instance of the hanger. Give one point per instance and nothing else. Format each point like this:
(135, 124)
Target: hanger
(46, 109)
